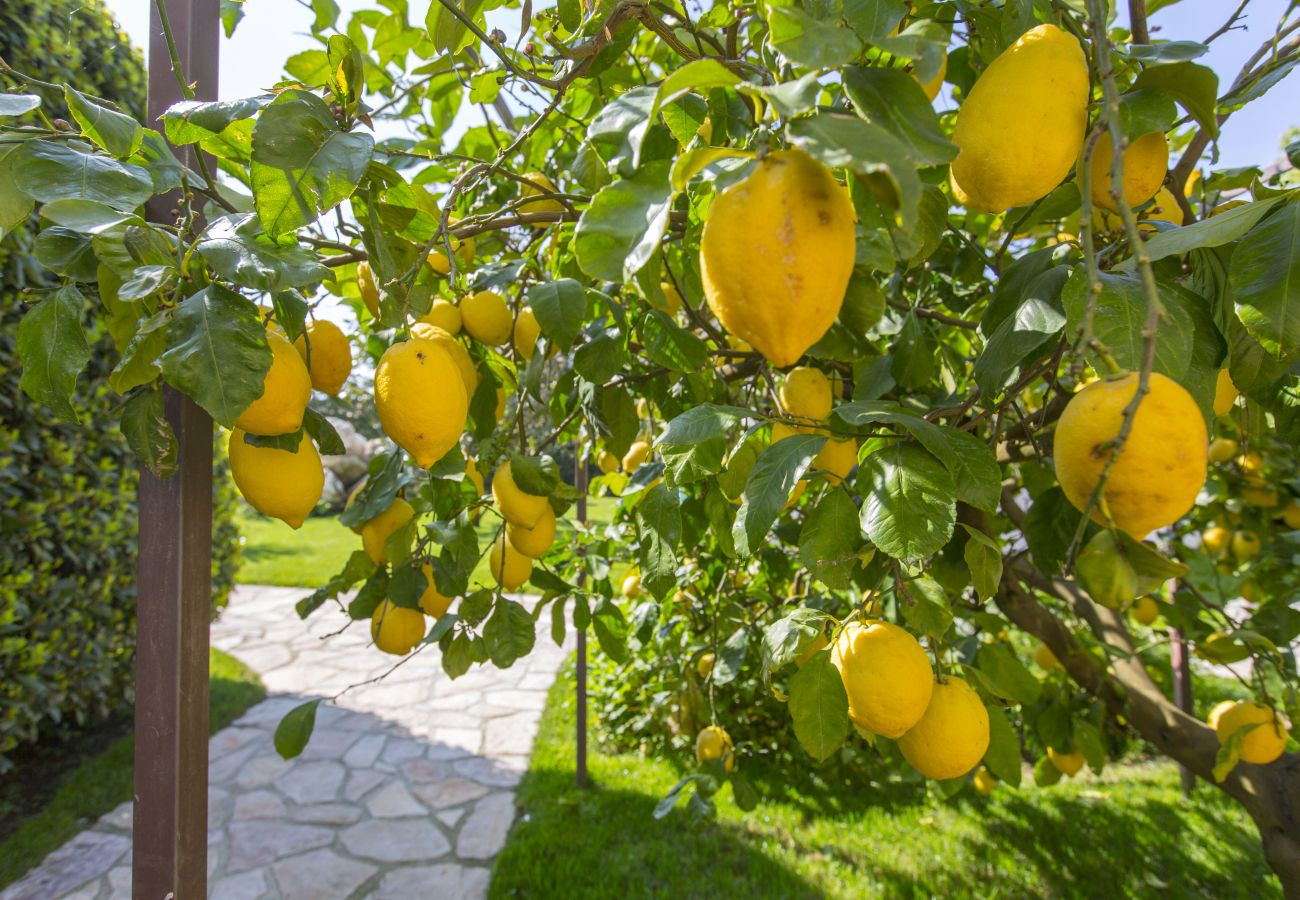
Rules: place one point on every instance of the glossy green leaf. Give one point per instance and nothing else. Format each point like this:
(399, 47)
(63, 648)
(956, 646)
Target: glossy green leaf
(53, 349)
(773, 478)
(509, 633)
(819, 707)
(621, 229)
(295, 729)
(149, 434)
(46, 171)
(909, 503)
(1265, 279)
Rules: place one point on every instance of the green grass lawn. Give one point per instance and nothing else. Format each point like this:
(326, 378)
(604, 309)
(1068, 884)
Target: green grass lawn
(1129, 833)
(84, 786)
(276, 554)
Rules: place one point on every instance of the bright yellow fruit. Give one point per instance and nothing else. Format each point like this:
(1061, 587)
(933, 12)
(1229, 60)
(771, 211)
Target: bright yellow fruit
(1260, 494)
(1250, 463)
(672, 301)
(541, 184)
(463, 248)
(516, 506)
(455, 349)
(1021, 127)
(631, 588)
(635, 456)
(501, 403)
(815, 646)
(278, 483)
(1165, 209)
(526, 332)
(984, 781)
(714, 743)
(369, 290)
(509, 567)
(474, 476)
(806, 394)
(1068, 764)
(286, 390)
(1145, 162)
(486, 317)
(1225, 393)
(1222, 450)
(704, 665)
(1245, 545)
(376, 532)
(432, 601)
(952, 735)
(886, 675)
(1262, 744)
(445, 315)
(1217, 713)
(837, 458)
(352, 498)
(1161, 469)
(533, 542)
(607, 461)
(1215, 540)
(420, 399)
(331, 355)
(776, 255)
(1046, 660)
(1145, 610)
(1291, 513)
(395, 629)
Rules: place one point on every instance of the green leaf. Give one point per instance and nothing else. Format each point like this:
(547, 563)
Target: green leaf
(848, 142)
(925, 607)
(322, 432)
(117, 133)
(611, 629)
(1146, 111)
(984, 559)
(659, 528)
(810, 42)
(17, 104)
(672, 346)
(819, 707)
(47, 171)
(697, 74)
(15, 206)
(893, 100)
(789, 98)
(53, 350)
(1017, 341)
(1215, 231)
(1049, 529)
(788, 637)
(509, 634)
(743, 792)
(217, 352)
(1003, 754)
(303, 165)
(448, 33)
(191, 121)
(1088, 737)
(1005, 675)
(774, 476)
(559, 306)
(830, 540)
(621, 229)
(700, 423)
(1166, 51)
(1265, 279)
(620, 128)
(1194, 86)
(294, 730)
(149, 434)
(731, 657)
(67, 252)
(86, 216)
(909, 503)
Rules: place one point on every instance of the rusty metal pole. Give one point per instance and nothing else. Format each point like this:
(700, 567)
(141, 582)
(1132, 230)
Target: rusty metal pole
(580, 766)
(174, 574)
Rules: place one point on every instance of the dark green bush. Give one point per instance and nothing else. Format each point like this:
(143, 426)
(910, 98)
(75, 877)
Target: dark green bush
(68, 491)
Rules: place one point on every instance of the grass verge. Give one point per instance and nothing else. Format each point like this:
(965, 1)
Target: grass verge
(59, 793)
(1127, 833)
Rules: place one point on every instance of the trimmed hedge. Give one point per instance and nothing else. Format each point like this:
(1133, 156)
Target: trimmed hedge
(68, 491)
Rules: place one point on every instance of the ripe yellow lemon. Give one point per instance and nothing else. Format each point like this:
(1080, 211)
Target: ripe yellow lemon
(433, 602)
(1262, 744)
(806, 394)
(474, 476)
(1222, 450)
(952, 735)
(635, 456)
(886, 675)
(509, 567)
(541, 184)
(1217, 712)
(672, 301)
(1145, 611)
(526, 332)
(1215, 540)
(445, 315)
(776, 255)
(464, 248)
(1260, 494)
(376, 532)
(704, 665)
(1290, 513)
(1225, 393)
(1068, 764)
(283, 484)
(420, 399)
(1245, 545)
(533, 542)
(984, 781)
(1165, 209)
(369, 290)
(486, 317)
(1021, 127)
(631, 587)
(1046, 660)
(516, 506)
(1156, 478)
(395, 629)
(455, 349)
(607, 461)
(286, 390)
(1145, 162)
(330, 361)
(714, 743)
(837, 458)
(1250, 463)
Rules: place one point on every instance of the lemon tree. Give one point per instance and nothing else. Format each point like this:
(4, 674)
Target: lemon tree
(938, 371)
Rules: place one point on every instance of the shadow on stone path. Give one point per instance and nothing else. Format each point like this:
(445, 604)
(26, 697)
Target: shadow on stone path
(405, 790)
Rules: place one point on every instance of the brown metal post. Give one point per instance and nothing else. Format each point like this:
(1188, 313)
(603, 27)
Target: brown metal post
(580, 767)
(174, 580)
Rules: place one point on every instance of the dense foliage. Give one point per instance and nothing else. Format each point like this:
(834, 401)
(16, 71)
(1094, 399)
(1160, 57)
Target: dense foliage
(67, 492)
(681, 206)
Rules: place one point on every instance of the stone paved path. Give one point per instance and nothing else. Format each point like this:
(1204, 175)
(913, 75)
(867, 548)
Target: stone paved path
(405, 791)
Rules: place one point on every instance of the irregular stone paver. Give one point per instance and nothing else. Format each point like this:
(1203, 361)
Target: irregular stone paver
(405, 791)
